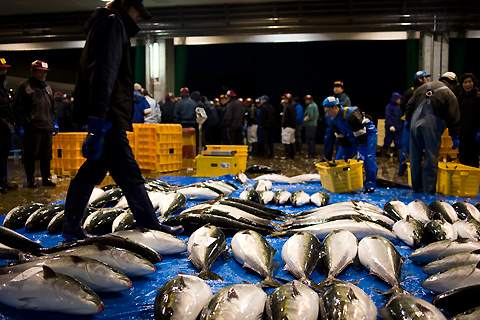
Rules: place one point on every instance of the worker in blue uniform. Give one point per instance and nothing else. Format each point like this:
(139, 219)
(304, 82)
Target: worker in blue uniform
(432, 107)
(354, 131)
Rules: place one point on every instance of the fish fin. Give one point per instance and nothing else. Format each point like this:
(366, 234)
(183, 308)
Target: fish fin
(278, 234)
(142, 230)
(313, 284)
(48, 273)
(384, 313)
(391, 291)
(101, 246)
(246, 282)
(77, 259)
(232, 294)
(30, 303)
(282, 280)
(476, 251)
(210, 275)
(269, 282)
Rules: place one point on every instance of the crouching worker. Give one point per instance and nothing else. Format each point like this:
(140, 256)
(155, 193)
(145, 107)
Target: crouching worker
(354, 132)
(104, 101)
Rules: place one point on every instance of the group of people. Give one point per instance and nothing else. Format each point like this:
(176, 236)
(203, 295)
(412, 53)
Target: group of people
(427, 109)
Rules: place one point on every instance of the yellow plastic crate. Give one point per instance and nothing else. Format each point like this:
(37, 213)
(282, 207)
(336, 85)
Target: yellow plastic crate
(242, 152)
(454, 179)
(67, 155)
(212, 166)
(344, 177)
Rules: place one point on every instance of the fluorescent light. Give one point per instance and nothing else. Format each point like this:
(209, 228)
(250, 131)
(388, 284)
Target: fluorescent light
(154, 61)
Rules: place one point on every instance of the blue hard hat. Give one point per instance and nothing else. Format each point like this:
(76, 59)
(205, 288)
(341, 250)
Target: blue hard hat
(421, 73)
(330, 102)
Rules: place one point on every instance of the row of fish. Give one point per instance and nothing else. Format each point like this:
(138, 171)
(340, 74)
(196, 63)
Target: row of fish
(281, 179)
(283, 197)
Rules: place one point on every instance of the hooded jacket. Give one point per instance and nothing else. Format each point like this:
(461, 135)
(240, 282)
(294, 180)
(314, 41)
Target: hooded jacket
(104, 84)
(393, 113)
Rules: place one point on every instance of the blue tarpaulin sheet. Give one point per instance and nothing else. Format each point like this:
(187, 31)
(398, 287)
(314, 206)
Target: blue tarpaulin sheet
(138, 302)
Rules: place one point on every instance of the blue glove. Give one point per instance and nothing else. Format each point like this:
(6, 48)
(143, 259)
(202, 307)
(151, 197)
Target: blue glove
(455, 141)
(19, 131)
(407, 124)
(55, 127)
(478, 136)
(93, 144)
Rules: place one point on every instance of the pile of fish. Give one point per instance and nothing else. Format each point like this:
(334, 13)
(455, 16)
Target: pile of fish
(66, 278)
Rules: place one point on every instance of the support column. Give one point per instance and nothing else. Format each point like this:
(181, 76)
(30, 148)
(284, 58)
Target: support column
(161, 67)
(434, 54)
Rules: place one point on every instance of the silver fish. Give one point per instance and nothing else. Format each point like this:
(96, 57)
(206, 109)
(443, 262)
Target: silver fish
(293, 300)
(420, 211)
(320, 198)
(249, 194)
(470, 314)
(300, 254)
(443, 248)
(465, 210)
(265, 197)
(347, 301)
(397, 210)
(306, 178)
(125, 221)
(262, 185)
(380, 257)
(94, 274)
(252, 250)
(406, 306)
(241, 178)
(452, 261)
(299, 198)
(41, 289)
(338, 250)
(161, 242)
(281, 197)
(410, 231)
(205, 245)
(467, 229)
(171, 203)
(196, 192)
(276, 178)
(454, 278)
(238, 301)
(438, 230)
(182, 298)
(17, 216)
(444, 210)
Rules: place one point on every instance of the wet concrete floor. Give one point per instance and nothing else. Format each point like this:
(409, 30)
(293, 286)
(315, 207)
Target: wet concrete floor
(387, 170)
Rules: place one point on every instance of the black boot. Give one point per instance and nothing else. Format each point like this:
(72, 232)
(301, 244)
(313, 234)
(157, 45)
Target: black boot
(298, 147)
(31, 182)
(144, 213)
(45, 171)
(287, 151)
(77, 199)
(292, 151)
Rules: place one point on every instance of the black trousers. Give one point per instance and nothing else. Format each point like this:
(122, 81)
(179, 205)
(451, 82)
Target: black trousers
(37, 145)
(118, 159)
(235, 136)
(5, 145)
(267, 136)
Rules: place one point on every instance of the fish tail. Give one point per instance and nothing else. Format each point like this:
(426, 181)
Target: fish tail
(278, 234)
(269, 282)
(210, 275)
(314, 285)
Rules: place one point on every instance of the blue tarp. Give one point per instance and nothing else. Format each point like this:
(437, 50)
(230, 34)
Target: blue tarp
(138, 302)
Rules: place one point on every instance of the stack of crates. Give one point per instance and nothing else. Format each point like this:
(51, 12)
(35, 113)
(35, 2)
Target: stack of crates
(189, 146)
(242, 153)
(67, 155)
(341, 176)
(158, 147)
(446, 148)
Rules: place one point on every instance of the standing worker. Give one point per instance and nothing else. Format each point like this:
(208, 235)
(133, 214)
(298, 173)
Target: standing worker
(420, 78)
(6, 127)
(354, 131)
(299, 122)
(36, 113)
(104, 100)
(234, 118)
(393, 125)
(432, 107)
(310, 123)
(288, 126)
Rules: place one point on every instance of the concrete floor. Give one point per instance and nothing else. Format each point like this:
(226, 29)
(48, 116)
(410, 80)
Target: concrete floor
(300, 165)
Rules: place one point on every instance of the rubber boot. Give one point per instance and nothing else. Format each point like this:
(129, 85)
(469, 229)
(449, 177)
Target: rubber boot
(287, 151)
(77, 199)
(298, 147)
(144, 213)
(292, 151)
(45, 171)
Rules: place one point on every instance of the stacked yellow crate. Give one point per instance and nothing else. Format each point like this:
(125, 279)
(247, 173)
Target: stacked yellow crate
(158, 146)
(67, 153)
(446, 151)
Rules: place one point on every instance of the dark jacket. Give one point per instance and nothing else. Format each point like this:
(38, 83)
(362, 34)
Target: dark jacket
(393, 114)
(6, 112)
(184, 112)
(289, 116)
(405, 97)
(469, 104)
(234, 114)
(104, 85)
(444, 104)
(140, 104)
(344, 99)
(167, 111)
(33, 105)
(251, 114)
(64, 114)
(267, 119)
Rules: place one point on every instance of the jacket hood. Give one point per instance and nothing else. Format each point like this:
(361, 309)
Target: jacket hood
(100, 13)
(395, 97)
(195, 96)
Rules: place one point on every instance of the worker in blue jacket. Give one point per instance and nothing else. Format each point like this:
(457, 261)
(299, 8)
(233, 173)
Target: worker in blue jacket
(354, 132)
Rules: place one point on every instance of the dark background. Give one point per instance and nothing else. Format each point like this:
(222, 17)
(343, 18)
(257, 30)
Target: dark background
(370, 70)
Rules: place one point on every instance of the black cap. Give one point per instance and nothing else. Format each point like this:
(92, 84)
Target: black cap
(138, 4)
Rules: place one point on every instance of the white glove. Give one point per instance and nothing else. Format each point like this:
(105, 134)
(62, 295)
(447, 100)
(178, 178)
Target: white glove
(392, 128)
(147, 111)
